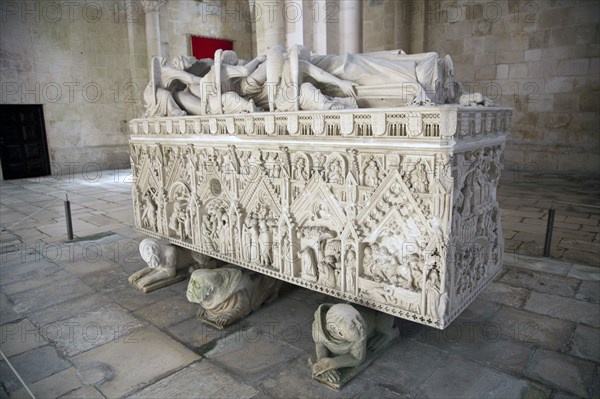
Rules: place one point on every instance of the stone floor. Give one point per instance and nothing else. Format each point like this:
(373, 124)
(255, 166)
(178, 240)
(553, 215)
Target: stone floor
(72, 326)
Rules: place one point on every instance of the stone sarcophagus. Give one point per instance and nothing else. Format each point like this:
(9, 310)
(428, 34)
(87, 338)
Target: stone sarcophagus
(391, 208)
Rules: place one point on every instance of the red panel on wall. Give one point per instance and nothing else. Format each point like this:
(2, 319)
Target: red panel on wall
(205, 47)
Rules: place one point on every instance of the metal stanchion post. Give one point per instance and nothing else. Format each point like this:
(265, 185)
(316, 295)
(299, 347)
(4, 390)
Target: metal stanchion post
(549, 227)
(68, 218)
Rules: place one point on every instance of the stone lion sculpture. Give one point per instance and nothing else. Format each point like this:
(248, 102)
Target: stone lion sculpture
(227, 294)
(167, 264)
(344, 337)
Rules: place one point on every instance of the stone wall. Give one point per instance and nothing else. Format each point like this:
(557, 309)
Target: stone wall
(219, 19)
(78, 61)
(540, 57)
(86, 62)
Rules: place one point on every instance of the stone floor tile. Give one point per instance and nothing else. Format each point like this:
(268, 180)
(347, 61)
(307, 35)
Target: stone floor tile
(563, 371)
(564, 308)
(479, 311)
(504, 294)
(32, 366)
(8, 315)
(262, 353)
(589, 291)
(480, 342)
(545, 265)
(585, 272)
(35, 281)
(134, 299)
(139, 359)
(83, 267)
(287, 319)
(294, 380)
(586, 343)
(4, 301)
(588, 258)
(107, 282)
(18, 268)
(168, 311)
(19, 337)
(67, 309)
(85, 392)
(199, 379)
(52, 387)
(530, 328)
(462, 379)
(420, 361)
(193, 333)
(540, 282)
(48, 295)
(91, 329)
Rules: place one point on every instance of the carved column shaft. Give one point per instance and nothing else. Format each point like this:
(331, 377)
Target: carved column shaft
(151, 8)
(272, 15)
(320, 26)
(350, 26)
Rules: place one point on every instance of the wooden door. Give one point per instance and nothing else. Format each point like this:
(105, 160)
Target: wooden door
(23, 146)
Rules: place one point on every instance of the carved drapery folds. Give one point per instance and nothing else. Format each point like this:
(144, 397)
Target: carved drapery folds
(409, 230)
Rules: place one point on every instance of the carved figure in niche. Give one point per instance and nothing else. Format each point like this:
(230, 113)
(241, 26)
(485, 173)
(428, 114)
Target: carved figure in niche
(254, 238)
(223, 235)
(369, 259)
(372, 173)
(167, 264)
(467, 193)
(309, 267)
(149, 213)
(245, 163)
(227, 294)
(344, 337)
(161, 202)
(265, 243)
(350, 264)
(179, 219)
(292, 94)
(247, 239)
(418, 178)
(320, 212)
(236, 241)
(416, 272)
(300, 172)
(334, 174)
(286, 255)
(382, 73)
(328, 272)
(276, 171)
(436, 305)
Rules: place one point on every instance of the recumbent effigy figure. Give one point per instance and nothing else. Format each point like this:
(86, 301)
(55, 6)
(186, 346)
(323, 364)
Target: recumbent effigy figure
(295, 80)
(167, 264)
(227, 294)
(345, 338)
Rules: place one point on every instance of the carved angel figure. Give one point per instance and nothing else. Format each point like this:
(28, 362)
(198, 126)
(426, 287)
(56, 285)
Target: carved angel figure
(227, 294)
(309, 268)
